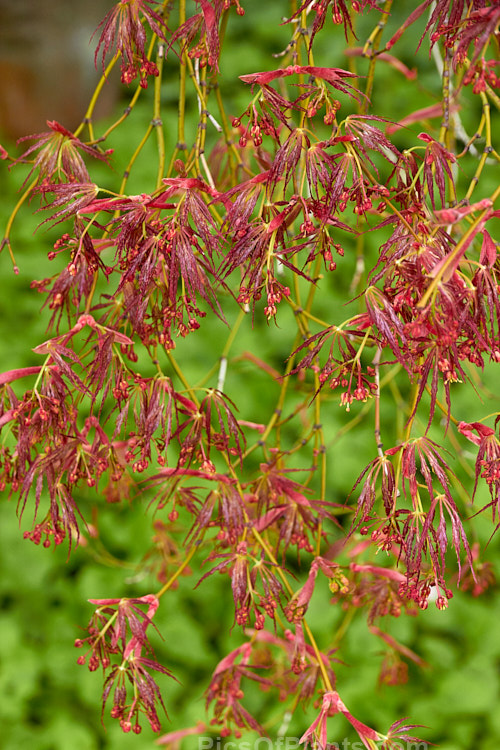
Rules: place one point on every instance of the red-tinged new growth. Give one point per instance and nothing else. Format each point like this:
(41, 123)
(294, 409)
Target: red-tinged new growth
(398, 733)
(423, 527)
(377, 264)
(340, 13)
(487, 461)
(296, 608)
(225, 692)
(59, 158)
(437, 167)
(418, 535)
(248, 571)
(204, 26)
(377, 589)
(285, 506)
(317, 734)
(117, 642)
(123, 30)
(342, 369)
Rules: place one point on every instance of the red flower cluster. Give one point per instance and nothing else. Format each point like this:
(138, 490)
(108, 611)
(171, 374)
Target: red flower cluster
(118, 630)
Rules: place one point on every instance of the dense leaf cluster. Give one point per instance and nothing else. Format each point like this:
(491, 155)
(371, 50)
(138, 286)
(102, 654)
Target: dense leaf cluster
(261, 220)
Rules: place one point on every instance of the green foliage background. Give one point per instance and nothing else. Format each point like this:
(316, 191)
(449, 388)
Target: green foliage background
(47, 701)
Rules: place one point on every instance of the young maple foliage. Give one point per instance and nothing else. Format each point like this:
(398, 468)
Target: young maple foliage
(373, 252)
